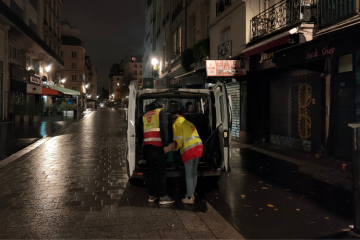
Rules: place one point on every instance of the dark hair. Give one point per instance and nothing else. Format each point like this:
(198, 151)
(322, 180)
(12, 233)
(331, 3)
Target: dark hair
(159, 101)
(176, 115)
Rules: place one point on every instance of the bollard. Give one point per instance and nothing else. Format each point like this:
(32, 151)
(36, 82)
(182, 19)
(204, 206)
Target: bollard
(356, 177)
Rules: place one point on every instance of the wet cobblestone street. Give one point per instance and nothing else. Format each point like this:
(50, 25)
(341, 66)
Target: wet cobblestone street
(74, 185)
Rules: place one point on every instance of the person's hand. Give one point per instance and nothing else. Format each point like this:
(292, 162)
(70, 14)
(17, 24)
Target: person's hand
(166, 150)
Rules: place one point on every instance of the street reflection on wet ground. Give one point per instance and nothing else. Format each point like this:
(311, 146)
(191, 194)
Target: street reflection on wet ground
(264, 197)
(16, 136)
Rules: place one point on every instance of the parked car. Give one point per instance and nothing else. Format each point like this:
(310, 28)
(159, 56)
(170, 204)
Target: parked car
(210, 112)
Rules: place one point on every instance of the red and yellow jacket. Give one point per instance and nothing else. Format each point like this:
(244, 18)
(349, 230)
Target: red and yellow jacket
(187, 139)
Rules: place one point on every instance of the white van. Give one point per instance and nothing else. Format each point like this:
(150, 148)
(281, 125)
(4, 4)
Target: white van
(209, 110)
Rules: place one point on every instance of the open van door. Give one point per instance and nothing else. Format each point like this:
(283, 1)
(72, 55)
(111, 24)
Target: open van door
(223, 119)
(131, 133)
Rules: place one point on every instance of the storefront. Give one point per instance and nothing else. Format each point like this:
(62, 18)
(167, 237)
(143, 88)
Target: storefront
(336, 89)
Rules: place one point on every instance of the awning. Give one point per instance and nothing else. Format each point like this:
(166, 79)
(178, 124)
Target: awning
(268, 44)
(48, 91)
(66, 91)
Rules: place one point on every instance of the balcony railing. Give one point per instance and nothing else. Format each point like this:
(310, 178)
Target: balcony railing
(177, 11)
(225, 50)
(222, 5)
(283, 14)
(335, 11)
(176, 55)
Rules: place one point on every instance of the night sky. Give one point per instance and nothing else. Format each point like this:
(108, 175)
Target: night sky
(109, 28)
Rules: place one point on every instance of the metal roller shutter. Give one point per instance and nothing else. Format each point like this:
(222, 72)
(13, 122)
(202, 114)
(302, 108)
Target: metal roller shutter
(233, 89)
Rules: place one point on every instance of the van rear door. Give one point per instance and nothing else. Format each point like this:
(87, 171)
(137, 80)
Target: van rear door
(223, 118)
(131, 133)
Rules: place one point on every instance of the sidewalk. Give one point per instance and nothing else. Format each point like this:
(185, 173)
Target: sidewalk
(325, 170)
(75, 185)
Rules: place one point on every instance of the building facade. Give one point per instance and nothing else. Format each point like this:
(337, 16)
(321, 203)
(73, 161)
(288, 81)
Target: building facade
(91, 82)
(175, 31)
(116, 85)
(133, 69)
(29, 47)
(73, 55)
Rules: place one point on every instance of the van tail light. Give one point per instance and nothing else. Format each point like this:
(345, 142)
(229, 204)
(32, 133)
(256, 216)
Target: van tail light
(225, 134)
(139, 173)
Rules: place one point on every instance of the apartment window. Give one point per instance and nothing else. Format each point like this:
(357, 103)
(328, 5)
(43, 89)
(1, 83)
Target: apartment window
(53, 5)
(61, 54)
(135, 65)
(73, 65)
(118, 79)
(177, 40)
(33, 26)
(140, 80)
(17, 9)
(140, 66)
(140, 72)
(73, 77)
(73, 88)
(135, 72)
(118, 90)
(73, 54)
(14, 53)
(34, 4)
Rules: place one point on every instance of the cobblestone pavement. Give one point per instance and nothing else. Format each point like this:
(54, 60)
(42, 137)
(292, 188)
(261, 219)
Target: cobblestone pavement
(74, 185)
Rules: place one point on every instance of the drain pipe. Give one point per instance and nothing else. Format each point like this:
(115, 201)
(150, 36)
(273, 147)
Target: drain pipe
(185, 25)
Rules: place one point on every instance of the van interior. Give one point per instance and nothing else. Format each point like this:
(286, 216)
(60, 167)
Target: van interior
(195, 107)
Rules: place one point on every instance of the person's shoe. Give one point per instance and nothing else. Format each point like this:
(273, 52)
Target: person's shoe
(152, 199)
(166, 200)
(188, 200)
(193, 197)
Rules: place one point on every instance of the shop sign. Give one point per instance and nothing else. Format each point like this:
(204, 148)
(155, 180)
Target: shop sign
(174, 81)
(50, 83)
(33, 89)
(324, 52)
(225, 68)
(266, 56)
(160, 83)
(34, 80)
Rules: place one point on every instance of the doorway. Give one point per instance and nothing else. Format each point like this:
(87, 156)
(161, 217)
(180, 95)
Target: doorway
(341, 114)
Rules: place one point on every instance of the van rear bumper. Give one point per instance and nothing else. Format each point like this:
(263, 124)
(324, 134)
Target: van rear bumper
(178, 173)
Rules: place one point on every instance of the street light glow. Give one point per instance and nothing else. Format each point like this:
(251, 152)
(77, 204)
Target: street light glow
(154, 61)
(87, 85)
(63, 80)
(48, 68)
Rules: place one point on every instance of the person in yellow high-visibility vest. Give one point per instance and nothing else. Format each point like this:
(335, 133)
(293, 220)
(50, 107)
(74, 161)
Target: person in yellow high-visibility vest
(155, 150)
(187, 139)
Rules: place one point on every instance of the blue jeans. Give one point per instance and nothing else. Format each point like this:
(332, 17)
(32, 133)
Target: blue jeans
(191, 175)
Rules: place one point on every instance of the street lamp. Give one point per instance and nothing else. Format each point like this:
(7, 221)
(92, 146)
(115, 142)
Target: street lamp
(154, 61)
(48, 68)
(87, 85)
(63, 80)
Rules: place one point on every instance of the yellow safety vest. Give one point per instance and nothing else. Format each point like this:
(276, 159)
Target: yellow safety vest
(187, 139)
(152, 128)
